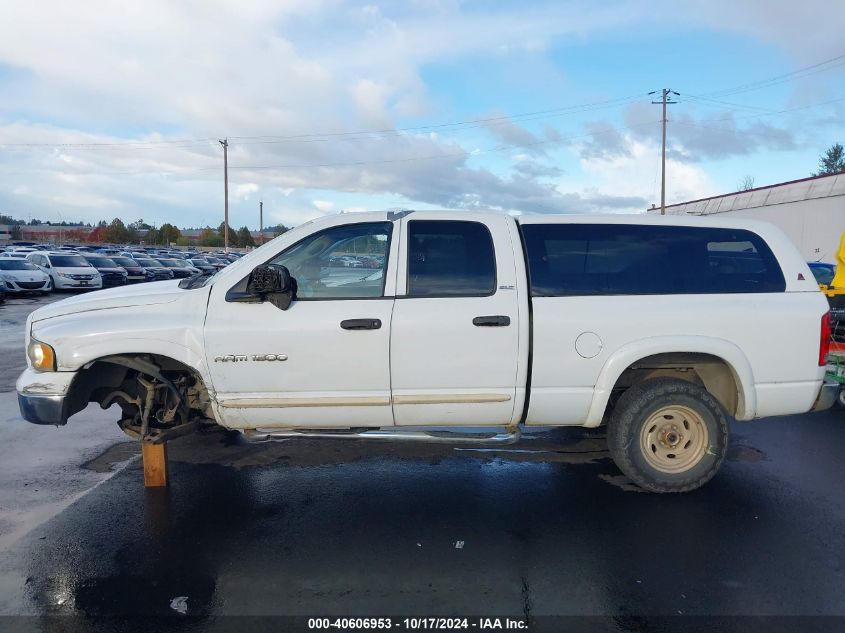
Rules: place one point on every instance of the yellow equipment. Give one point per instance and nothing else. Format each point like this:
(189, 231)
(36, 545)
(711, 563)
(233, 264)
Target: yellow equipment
(837, 286)
(835, 292)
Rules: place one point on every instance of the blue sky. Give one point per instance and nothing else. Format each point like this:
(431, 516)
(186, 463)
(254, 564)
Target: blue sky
(115, 110)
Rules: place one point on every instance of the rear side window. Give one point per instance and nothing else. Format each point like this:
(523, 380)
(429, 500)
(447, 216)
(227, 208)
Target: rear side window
(450, 259)
(620, 259)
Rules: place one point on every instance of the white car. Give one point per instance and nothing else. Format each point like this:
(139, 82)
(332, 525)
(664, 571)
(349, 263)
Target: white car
(67, 271)
(22, 276)
(660, 328)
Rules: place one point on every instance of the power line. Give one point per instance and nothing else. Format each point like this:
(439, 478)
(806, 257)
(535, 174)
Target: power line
(741, 106)
(321, 136)
(584, 107)
(463, 153)
(800, 73)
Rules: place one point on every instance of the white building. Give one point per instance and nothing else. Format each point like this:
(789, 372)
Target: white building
(811, 211)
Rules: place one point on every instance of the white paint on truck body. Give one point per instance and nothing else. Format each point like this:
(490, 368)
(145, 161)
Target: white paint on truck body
(427, 364)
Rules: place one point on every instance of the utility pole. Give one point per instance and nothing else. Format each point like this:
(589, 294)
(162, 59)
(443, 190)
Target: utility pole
(225, 144)
(261, 223)
(664, 100)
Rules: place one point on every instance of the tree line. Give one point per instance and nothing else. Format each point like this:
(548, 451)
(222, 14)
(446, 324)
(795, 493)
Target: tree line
(118, 232)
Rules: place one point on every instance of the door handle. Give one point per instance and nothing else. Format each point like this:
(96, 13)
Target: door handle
(492, 321)
(361, 324)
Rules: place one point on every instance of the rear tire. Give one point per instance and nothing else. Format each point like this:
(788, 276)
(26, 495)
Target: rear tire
(668, 435)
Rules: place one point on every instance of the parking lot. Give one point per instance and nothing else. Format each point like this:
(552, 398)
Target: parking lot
(547, 527)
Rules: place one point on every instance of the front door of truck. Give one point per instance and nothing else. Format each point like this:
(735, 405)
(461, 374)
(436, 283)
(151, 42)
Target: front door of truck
(323, 362)
(456, 323)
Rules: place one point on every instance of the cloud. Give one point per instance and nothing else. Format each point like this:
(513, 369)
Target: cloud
(689, 139)
(605, 141)
(534, 169)
(243, 191)
(287, 82)
(507, 131)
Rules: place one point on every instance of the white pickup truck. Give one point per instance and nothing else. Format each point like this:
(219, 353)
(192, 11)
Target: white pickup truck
(458, 327)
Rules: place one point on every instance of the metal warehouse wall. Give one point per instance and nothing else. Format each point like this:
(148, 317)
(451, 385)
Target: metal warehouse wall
(811, 211)
(815, 226)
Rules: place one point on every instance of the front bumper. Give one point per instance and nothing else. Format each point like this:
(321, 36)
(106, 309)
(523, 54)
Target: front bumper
(827, 396)
(46, 409)
(26, 286)
(96, 284)
(42, 396)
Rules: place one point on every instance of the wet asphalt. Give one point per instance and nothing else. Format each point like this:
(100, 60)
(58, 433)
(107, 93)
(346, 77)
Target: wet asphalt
(547, 527)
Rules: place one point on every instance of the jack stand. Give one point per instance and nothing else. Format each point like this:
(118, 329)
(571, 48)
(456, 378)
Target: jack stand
(154, 457)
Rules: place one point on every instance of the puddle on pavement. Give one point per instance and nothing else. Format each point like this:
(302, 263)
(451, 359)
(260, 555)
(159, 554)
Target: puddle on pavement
(113, 456)
(122, 595)
(745, 454)
(228, 449)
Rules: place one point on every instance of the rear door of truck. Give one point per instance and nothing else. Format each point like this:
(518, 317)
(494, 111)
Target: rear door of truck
(460, 321)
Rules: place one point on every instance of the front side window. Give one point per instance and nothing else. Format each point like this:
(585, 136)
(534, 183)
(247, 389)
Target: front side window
(343, 262)
(621, 259)
(449, 258)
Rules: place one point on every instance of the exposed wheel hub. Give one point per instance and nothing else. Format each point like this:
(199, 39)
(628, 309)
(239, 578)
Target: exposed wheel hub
(674, 439)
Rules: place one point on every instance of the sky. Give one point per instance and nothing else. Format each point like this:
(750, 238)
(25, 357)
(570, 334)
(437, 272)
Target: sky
(116, 109)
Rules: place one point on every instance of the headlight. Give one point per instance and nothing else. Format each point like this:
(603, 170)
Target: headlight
(41, 355)
(62, 274)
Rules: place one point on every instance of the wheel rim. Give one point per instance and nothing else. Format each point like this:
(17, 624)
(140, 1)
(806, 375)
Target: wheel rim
(674, 439)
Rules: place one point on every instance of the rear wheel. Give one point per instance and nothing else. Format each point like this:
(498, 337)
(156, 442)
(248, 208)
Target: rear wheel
(668, 435)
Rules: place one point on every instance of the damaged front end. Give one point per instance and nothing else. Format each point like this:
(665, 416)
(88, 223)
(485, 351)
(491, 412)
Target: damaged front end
(158, 397)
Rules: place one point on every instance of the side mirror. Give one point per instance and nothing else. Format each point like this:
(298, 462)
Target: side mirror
(273, 283)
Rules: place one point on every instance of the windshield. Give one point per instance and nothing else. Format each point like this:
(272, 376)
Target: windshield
(16, 264)
(201, 262)
(124, 261)
(148, 263)
(170, 263)
(69, 261)
(102, 262)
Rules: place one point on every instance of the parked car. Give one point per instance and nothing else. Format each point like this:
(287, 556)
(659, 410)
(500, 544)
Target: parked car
(202, 265)
(219, 264)
(2, 291)
(21, 275)
(13, 255)
(67, 271)
(160, 273)
(823, 272)
(179, 268)
(134, 272)
(347, 261)
(512, 321)
(369, 262)
(113, 274)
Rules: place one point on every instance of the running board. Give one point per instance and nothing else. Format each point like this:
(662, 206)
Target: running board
(441, 437)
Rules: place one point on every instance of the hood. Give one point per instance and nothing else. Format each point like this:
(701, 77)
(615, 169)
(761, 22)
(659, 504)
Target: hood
(24, 275)
(121, 297)
(75, 270)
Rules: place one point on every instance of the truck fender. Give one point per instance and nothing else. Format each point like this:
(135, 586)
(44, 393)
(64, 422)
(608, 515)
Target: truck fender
(629, 354)
(139, 347)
